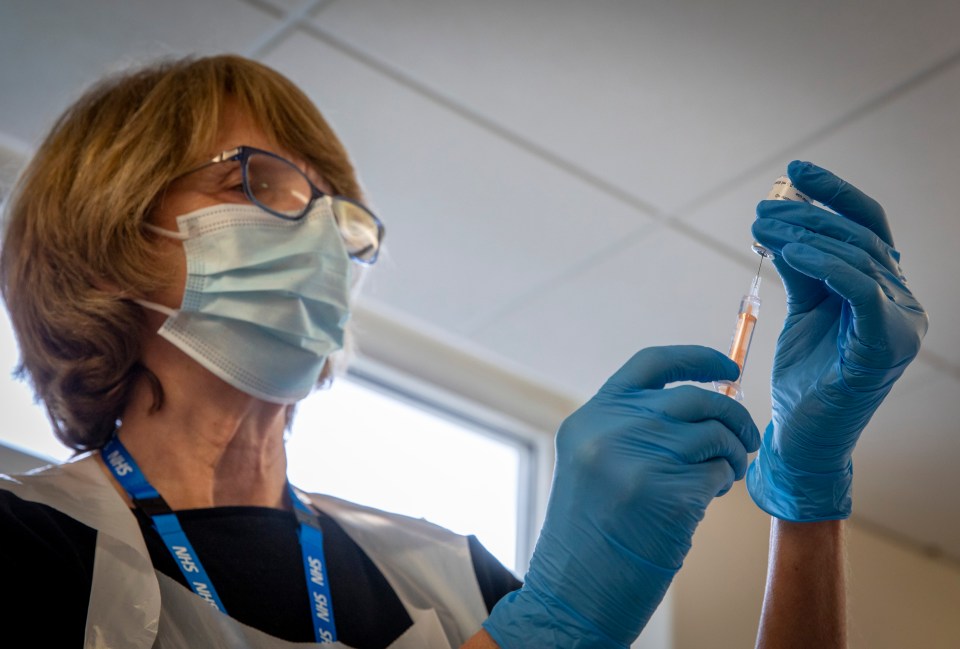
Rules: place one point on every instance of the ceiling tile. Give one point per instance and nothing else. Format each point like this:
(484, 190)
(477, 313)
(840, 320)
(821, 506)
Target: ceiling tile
(61, 47)
(653, 96)
(472, 222)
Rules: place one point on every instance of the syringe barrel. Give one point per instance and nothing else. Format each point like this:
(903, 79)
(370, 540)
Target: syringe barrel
(742, 338)
(743, 332)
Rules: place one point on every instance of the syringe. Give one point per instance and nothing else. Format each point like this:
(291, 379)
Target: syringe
(742, 337)
(783, 190)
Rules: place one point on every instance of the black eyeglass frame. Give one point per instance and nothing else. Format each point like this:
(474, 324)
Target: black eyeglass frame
(242, 155)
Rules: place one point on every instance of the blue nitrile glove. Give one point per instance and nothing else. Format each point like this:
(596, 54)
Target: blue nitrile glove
(636, 467)
(852, 327)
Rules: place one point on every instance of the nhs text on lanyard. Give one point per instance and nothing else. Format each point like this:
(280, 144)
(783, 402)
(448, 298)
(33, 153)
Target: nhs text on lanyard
(149, 500)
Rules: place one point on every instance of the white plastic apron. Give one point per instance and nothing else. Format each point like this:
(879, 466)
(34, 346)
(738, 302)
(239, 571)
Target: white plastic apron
(134, 607)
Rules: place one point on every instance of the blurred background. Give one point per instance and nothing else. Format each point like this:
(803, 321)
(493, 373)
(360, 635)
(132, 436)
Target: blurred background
(564, 183)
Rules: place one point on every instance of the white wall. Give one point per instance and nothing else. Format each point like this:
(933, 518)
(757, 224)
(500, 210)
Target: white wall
(898, 597)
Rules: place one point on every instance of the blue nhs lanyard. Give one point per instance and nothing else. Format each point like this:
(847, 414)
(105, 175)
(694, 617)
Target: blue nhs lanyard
(150, 502)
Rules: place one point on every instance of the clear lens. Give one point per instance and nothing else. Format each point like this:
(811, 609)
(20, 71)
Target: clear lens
(359, 228)
(278, 185)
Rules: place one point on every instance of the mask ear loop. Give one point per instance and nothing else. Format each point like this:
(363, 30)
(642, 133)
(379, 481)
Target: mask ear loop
(153, 306)
(182, 236)
(159, 308)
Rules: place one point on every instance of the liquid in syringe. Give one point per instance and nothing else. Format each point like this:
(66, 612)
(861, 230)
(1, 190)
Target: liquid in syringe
(742, 337)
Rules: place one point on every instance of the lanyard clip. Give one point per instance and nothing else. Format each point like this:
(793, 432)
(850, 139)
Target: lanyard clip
(303, 509)
(152, 506)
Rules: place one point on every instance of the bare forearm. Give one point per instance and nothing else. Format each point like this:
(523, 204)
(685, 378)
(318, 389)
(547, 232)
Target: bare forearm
(480, 640)
(805, 600)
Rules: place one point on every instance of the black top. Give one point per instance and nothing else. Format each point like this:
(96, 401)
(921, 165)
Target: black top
(251, 554)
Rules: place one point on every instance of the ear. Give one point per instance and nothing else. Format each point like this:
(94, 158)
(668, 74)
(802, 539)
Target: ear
(325, 379)
(108, 287)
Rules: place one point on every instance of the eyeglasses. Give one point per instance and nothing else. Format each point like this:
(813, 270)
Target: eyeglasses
(279, 187)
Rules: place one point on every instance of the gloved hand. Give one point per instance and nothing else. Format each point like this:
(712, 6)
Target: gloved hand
(636, 467)
(852, 327)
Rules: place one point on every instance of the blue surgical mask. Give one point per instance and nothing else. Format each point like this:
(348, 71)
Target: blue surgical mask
(266, 300)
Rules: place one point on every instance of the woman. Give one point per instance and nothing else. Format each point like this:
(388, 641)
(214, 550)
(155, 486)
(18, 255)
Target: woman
(96, 269)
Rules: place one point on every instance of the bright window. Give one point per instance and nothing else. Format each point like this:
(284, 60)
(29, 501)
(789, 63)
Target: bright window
(370, 447)
(25, 424)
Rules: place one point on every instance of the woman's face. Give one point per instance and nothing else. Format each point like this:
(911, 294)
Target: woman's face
(212, 185)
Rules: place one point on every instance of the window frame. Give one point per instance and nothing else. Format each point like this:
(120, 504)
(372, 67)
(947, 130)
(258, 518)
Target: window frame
(534, 448)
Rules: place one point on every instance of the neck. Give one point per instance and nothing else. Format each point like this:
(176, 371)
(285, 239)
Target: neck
(224, 448)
